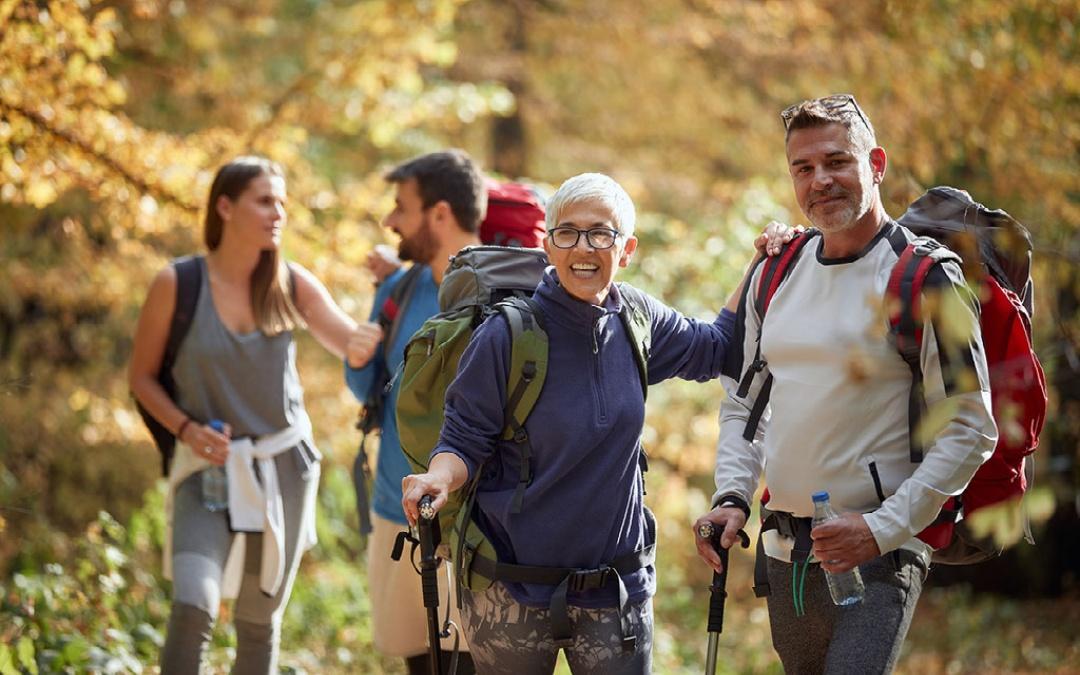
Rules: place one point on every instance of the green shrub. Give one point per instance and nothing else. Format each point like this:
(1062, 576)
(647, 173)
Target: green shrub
(99, 611)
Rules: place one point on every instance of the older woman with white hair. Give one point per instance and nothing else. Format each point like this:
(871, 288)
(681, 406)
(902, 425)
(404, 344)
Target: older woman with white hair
(582, 512)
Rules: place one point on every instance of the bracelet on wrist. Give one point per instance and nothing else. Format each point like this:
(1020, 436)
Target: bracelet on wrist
(183, 425)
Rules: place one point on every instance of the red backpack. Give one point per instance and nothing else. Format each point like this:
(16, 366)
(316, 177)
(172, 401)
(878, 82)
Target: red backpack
(515, 216)
(996, 252)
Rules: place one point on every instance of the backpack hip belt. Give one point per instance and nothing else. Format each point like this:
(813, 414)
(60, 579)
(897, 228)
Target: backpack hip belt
(788, 525)
(566, 579)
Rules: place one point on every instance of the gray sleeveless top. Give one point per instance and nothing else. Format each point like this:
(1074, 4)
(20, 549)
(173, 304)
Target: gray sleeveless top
(248, 381)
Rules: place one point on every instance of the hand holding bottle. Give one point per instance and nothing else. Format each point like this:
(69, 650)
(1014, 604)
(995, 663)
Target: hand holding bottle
(209, 441)
(845, 587)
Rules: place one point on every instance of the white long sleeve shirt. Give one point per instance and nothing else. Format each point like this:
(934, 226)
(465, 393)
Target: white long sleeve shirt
(839, 400)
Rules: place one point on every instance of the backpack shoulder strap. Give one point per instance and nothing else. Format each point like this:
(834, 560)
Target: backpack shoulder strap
(188, 283)
(773, 272)
(528, 369)
(389, 318)
(393, 308)
(903, 298)
(635, 318)
(776, 269)
(292, 282)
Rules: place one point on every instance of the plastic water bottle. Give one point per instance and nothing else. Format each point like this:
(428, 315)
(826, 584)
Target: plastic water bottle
(846, 588)
(215, 483)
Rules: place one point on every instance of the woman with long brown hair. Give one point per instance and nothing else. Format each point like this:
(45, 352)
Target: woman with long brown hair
(237, 404)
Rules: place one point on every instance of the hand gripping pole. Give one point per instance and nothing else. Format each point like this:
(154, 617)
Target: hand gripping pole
(718, 594)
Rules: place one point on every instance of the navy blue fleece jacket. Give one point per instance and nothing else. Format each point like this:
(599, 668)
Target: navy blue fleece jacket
(584, 506)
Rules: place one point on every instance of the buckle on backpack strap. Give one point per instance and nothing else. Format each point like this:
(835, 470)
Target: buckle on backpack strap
(791, 527)
(584, 580)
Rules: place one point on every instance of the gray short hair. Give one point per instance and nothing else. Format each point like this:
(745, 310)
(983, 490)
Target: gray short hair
(819, 112)
(593, 187)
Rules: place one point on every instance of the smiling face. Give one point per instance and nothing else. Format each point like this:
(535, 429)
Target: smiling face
(587, 273)
(257, 215)
(411, 221)
(835, 181)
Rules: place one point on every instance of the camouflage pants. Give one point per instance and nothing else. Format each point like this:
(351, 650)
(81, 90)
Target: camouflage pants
(508, 637)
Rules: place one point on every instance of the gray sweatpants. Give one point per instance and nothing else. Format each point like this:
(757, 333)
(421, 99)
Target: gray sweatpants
(508, 637)
(861, 639)
(201, 543)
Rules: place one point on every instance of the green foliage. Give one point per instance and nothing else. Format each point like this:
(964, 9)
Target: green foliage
(102, 611)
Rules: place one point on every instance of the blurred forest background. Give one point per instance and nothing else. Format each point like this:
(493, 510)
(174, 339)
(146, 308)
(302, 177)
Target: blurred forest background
(115, 113)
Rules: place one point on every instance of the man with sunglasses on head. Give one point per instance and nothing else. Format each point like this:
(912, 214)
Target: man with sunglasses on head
(839, 394)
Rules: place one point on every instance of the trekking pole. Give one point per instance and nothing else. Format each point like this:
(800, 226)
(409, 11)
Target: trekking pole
(428, 529)
(717, 593)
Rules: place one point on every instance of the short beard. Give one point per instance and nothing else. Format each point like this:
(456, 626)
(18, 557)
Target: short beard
(849, 217)
(420, 247)
(838, 222)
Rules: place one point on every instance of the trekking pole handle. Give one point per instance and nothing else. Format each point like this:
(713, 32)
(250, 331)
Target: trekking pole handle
(718, 594)
(427, 511)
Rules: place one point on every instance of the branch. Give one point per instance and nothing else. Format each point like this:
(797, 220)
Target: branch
(158, 192)
(304, 81)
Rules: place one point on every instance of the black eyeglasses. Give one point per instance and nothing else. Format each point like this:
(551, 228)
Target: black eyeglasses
(599, 238)
(836, 103)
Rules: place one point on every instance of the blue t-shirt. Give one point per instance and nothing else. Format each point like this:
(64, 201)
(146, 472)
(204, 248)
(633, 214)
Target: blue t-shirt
(392, 465)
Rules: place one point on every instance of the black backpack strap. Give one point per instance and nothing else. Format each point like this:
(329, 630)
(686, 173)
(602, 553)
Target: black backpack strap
(189, 271)
(903, 297)
(292, 283)
(393, 308)
(774, 270)
(789, 526)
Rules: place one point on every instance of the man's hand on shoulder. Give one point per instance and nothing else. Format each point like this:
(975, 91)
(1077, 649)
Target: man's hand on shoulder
(844, 543)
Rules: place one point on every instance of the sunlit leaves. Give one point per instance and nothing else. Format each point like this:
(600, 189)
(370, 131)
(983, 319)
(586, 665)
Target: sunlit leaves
(1005, 523)
(113, 117)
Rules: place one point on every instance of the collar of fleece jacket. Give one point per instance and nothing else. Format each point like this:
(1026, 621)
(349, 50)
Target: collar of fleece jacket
(566, 310)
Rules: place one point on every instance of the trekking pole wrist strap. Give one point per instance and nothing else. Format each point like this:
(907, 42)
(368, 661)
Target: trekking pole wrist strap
(735, 501)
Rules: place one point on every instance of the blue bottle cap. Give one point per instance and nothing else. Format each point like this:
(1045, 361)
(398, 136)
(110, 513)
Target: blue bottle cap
(216, 425)
(820, 496)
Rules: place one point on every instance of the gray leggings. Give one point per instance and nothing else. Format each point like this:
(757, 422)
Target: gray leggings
(508, 637)
(201, 543)
(860, 639)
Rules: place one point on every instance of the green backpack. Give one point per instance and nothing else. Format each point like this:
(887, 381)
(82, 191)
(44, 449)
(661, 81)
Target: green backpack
(480, 281)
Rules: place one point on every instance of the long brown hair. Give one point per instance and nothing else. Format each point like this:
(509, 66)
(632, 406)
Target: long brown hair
(271, 285)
